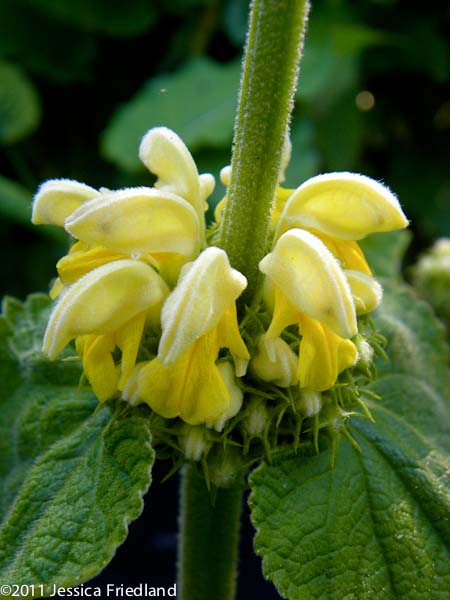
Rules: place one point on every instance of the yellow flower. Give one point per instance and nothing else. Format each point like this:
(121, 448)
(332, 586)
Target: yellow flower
(105, 309)
(341, 208)
(56, 199)
(164, 226)
(322, 219)
(165, 155)
(312, 291)
(198, 319)
(108, 285)
(137, 221)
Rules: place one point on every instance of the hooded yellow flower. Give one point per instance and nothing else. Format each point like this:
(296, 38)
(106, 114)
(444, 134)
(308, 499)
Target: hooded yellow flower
(163, 226)
(311, 290)
(105, 309)
(198, 319)
(341, 208)
(322, 219)
(108, 285)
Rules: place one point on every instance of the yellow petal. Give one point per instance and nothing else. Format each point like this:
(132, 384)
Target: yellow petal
(99, 366)
(56, 199)
(344, 205)
(367, 292)
(138, 220)
(169, 265)
(76, 264)
(322, 355)
(347, 252)
(284, 314)
(281, 197)
(220, 207)
(56, 288)
(236, 395)
(206, 289)
(102, 301)
(191, 388)
(129, 339)
(275, 361)
(307, 274)
(229, 337)
(166, 155)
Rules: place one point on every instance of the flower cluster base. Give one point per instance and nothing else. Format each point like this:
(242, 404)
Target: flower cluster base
(150, 303)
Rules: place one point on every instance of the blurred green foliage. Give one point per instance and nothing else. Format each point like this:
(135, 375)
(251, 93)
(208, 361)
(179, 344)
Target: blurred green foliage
(82, 80)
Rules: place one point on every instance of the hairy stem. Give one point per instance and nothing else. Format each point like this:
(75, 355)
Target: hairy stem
(268, 83)
(209, 536)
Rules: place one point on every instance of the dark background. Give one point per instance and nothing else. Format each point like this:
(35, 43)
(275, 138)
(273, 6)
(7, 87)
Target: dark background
(82, 80)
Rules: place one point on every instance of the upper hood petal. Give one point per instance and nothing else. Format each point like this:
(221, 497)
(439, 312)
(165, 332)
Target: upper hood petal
(306, 272)
(345, 205)
(205, 291)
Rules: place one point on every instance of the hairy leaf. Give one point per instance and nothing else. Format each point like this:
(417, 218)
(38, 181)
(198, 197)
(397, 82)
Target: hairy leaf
(375, 526)
(72, 478)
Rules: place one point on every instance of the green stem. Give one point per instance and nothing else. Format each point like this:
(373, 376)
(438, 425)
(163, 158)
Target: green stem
(209, 536)
(269, 79)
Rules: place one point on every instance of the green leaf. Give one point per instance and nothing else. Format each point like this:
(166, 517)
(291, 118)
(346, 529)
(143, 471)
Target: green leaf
(198, 102)
(72, 478)
(376, 526)
(20, 110)
(103, 16)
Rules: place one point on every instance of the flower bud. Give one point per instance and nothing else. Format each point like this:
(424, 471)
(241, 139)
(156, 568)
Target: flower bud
(365, 351)
(193, 442)
(256, 418)
(275, 361)
(225, 175)
(225, 466)
(310, 402)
